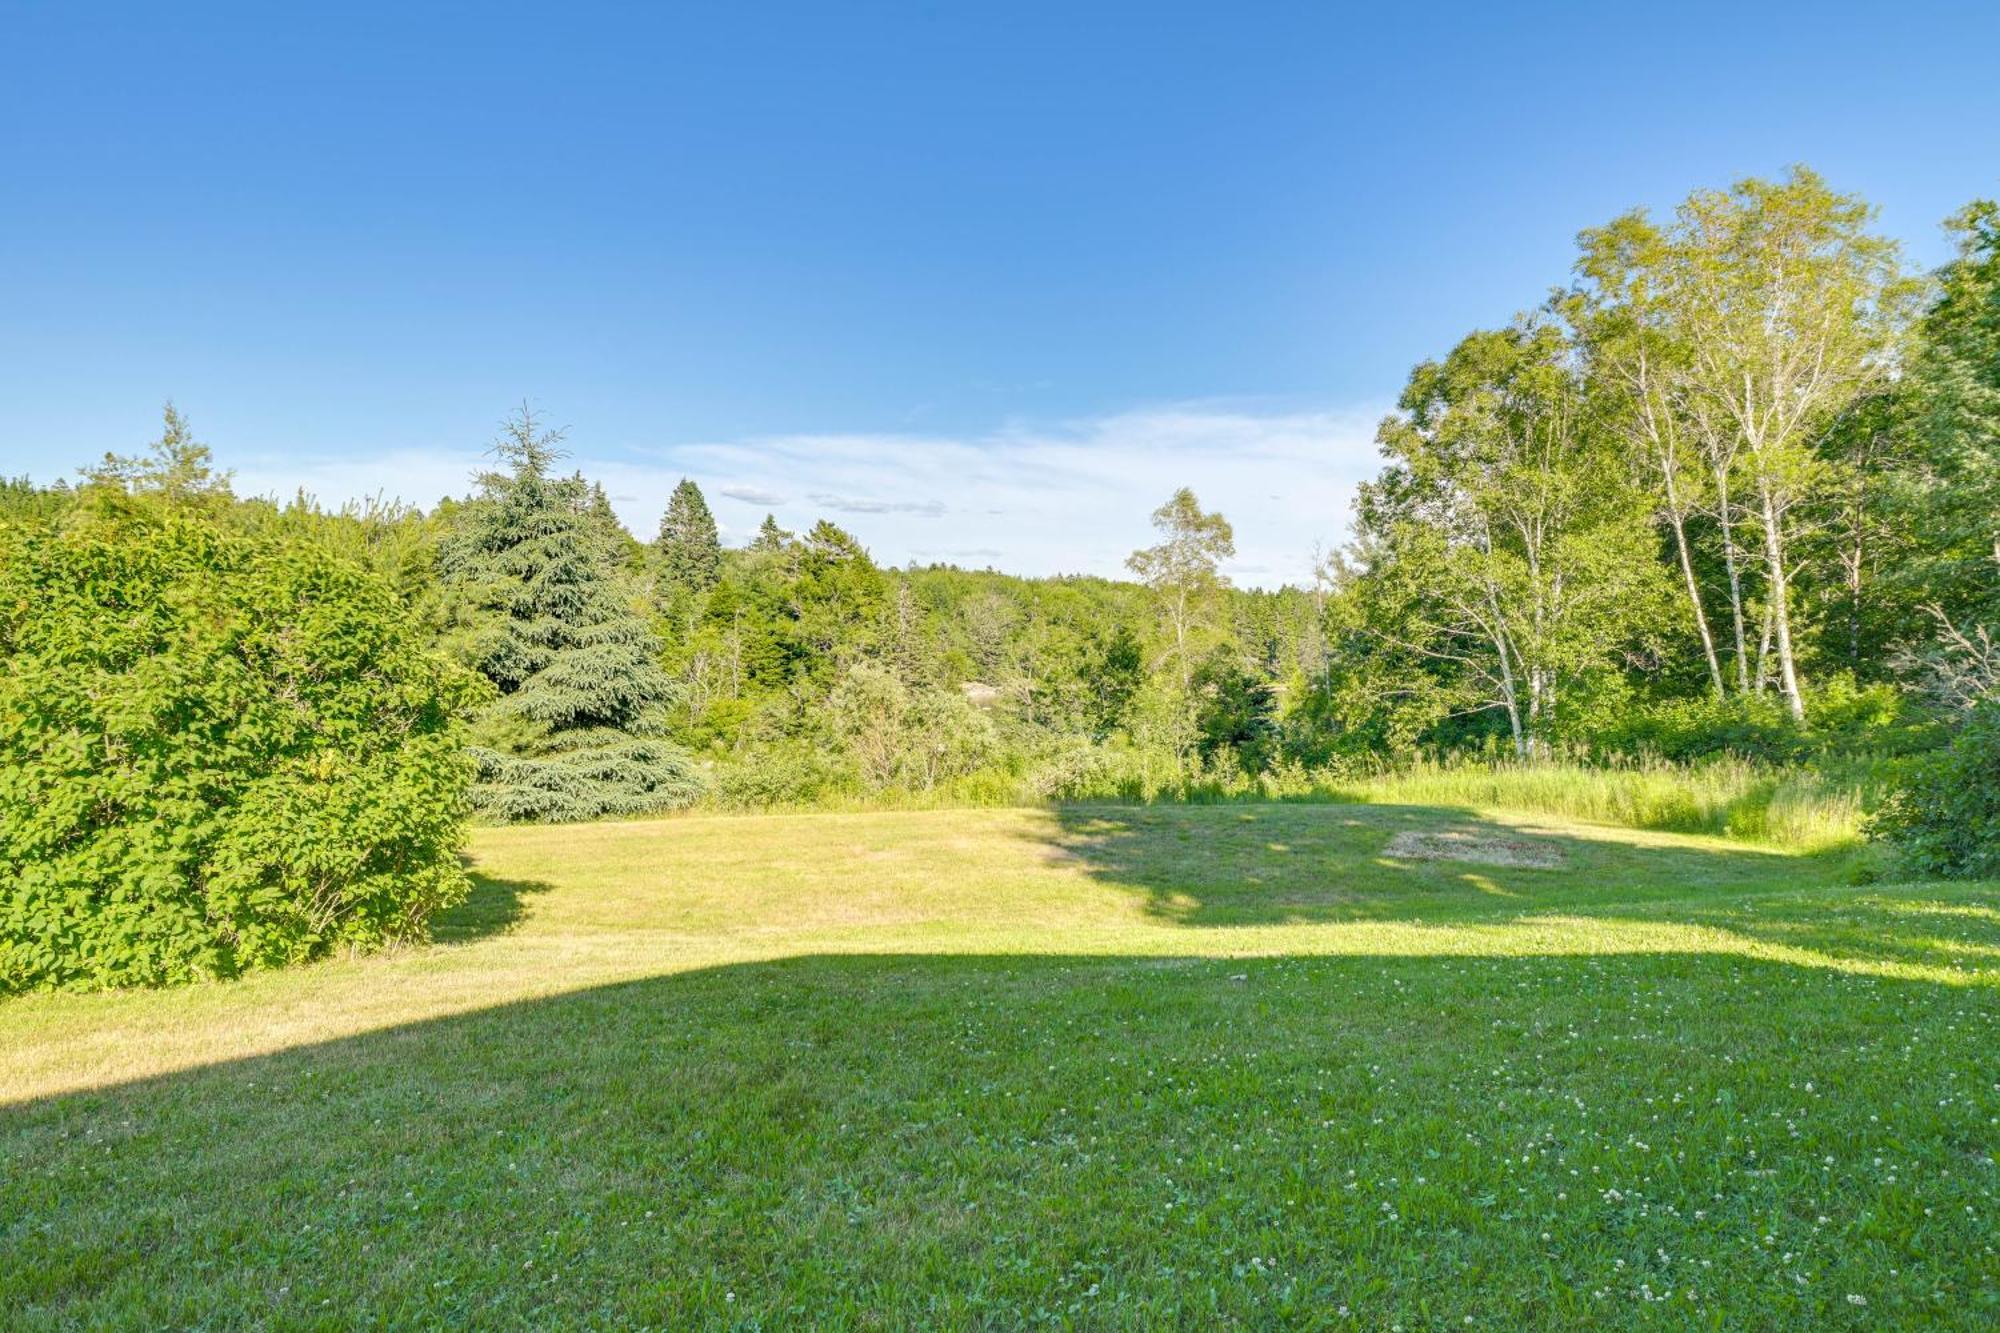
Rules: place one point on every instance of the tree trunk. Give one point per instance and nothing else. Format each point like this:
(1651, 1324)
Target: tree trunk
(1781, 611)
(1764, 651)
(1509, 689)
(1694, 601)
(1726, 517)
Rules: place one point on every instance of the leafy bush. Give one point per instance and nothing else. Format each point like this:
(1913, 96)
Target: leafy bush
(1844, 719)
(781, 775)
(1744, 726)
(898, 736)
(217, 753)
(1945, 819)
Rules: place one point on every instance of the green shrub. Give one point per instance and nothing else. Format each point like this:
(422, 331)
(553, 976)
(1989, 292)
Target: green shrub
(780, 775)
(897, 736)
(1945, 818)
(1843, 720)
(217, 753)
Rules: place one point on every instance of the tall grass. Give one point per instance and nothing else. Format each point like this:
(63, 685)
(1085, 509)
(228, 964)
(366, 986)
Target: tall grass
(1796, 809)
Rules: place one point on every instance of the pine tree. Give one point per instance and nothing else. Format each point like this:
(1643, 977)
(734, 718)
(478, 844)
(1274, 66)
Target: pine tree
(770, 537)
(690, 549)
(576, 732)
(176, 467)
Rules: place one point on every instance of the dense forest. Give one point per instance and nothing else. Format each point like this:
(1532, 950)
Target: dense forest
(1731, 490)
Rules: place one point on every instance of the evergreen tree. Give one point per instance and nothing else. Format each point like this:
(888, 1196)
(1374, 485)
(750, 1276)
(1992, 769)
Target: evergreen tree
(836, 598)
(690, 550)
(770, 537)
(177, 467)
(576, 732)
(1236, 711)
(1116, 668)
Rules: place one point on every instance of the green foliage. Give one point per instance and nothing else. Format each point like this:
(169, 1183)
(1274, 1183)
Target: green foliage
(217, 753)
(688, 547)
(1235, 714)
(897, 736)
(1509, 557)
(1113, 673)
(1635, 523)
(577, 731)
(176, 468)
(836, 600)
(1950, 494)
(783, 774)
(1184, 572)
(1847, 720)
(23, 502)
(1945, 819)
(770, 537)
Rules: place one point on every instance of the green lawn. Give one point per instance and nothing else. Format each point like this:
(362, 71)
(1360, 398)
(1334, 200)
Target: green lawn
(1100, 1067)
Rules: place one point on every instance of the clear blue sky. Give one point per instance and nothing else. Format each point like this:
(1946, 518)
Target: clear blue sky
(923, 262)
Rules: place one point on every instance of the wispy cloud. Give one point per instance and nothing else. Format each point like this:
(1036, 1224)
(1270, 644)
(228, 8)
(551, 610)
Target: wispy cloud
(1064, 497)
(753, 495)
(850, 504)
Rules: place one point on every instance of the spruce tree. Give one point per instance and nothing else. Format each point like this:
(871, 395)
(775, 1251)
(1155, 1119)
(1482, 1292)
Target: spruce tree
(576, 731)
(690, 549)
(770, 537)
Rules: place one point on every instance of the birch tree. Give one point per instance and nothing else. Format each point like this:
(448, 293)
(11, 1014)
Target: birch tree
(1505, 531)
(1788, 307)
(1624, 317)
(1184, 572)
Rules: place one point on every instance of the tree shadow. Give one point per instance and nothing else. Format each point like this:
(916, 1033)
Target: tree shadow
(495, 906)
(970, 1140)
(1295, 863)
(1429, 1125)
(1298, 864)
(1949, 931)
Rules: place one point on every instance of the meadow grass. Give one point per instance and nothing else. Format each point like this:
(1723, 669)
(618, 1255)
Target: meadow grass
(1796, 809)
(1104, 1066)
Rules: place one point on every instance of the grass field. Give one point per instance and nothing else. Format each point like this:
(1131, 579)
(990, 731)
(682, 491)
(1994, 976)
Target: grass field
(1090, 1066)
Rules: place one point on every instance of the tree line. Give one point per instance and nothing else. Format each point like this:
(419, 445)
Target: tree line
(1732, 486)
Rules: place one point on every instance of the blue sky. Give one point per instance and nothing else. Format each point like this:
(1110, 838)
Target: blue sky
(981, 282)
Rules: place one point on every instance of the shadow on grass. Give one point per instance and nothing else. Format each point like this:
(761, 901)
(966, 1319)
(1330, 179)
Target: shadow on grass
(494, 907)
(976, 1140)
(1300, 864)
(1853, 926)
(969, 1139)
(1275, 864)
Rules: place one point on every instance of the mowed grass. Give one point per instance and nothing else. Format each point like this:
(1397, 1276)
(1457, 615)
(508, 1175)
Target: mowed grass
(1102, 1067)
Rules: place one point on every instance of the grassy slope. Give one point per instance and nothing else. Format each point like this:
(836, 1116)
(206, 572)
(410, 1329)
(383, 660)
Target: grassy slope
(1100, 1066)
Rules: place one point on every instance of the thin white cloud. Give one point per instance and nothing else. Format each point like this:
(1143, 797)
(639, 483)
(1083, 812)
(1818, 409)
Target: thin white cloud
(753, 495)
(1073, 497)
(853, 504)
